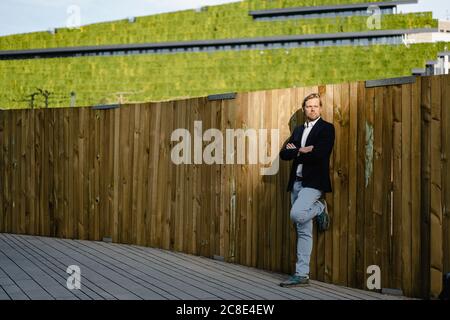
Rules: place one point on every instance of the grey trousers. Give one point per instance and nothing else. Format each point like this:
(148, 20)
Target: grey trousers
(305, 206)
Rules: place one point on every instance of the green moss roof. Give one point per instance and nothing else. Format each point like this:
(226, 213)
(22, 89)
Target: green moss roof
(216, 22)
(99, 80)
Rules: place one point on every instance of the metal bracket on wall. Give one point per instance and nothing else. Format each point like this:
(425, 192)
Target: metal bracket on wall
(390, 82)
(106, 107)
(224, 96)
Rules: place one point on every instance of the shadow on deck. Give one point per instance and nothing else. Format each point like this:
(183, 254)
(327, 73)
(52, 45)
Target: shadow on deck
(35, 268)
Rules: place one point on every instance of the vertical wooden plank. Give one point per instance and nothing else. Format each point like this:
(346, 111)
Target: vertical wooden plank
(50, 187)
(352, 185)
(39, 130)
(436, 187)
(88, 182)
(445, 118)
(217, 196)
(64, 141)
(369, 222)
(101, 175)
(406, 222)
(110, 176)
(47, 211)
(229, 189)
(126, 173)
(142, 208)
(117, 177)
(136, 159)
(380, 178)
(107, 179)
(343, 122)
(173, 173)
(98, 171)
(223, 190)
(212, 211)
(7, 173)
(336, 176)
(196, 210)
(164, 180)
(241, 196)
(329, 116)
(72, 167)
(60, 173)
(178, 188)
(77, 172)
(5, 135)
(208, 170)
(172, 169)
(263, 206)
(277, 100)
(189, 196)
(31, 173)
(361, 183)
(390, 98)
(205, 178)
(129, 226)
(397, 212)
(15, 178)
(82, 178)
(426, 185)
(416, 180)
(57, 195)
(249, 184)
(280, 119)
(22, 168)
(154, 170)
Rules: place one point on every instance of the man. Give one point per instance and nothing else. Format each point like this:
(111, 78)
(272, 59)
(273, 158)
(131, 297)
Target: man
(310, 147)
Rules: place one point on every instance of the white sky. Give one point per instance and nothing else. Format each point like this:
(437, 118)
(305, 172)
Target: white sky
(21, 16)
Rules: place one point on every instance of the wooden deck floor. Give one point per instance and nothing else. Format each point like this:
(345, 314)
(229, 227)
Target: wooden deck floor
(35, 268)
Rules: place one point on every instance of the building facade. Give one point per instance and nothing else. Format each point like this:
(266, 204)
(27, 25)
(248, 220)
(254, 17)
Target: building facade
(242, 46)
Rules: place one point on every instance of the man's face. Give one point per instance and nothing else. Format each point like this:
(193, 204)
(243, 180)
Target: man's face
(313, 110)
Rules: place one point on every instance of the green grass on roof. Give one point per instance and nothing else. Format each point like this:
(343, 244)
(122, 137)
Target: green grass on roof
(99, 80)
(216, 22)
(273, 4)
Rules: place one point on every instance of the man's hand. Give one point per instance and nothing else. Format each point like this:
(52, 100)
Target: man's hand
(291, 146)
(306, 149)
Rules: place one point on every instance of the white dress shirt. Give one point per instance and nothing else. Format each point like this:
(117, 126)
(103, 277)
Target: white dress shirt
(306, 131)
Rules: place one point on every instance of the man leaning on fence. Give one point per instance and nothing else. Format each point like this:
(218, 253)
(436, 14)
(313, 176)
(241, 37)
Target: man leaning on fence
(310, 147)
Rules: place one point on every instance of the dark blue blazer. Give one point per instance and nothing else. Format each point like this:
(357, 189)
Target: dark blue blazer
(316, 164)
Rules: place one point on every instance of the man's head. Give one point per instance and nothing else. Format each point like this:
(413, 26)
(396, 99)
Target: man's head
(312, 107)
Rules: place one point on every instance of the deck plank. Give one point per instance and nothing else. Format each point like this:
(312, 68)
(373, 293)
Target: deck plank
(57, 270)
(35, 268)
(135, 262)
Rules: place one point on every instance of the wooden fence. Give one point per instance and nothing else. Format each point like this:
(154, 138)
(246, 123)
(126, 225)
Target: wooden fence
(92, 174)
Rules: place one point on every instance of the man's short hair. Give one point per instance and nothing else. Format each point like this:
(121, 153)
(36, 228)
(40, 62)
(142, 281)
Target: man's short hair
(311, 96)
